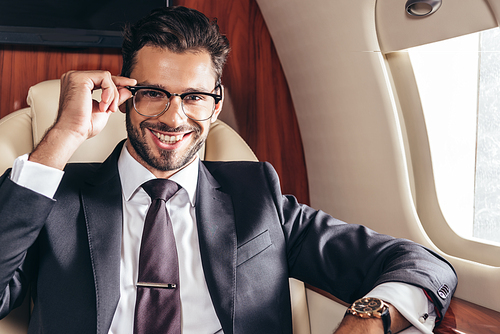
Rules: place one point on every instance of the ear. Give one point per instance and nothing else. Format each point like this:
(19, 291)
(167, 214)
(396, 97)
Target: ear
(218, 106)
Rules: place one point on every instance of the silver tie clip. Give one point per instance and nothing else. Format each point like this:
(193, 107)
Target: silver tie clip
(157, 285)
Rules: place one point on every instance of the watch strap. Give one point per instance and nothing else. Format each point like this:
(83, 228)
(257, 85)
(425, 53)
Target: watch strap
(386, 321)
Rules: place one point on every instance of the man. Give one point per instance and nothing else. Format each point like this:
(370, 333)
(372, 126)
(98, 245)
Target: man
(76, 236)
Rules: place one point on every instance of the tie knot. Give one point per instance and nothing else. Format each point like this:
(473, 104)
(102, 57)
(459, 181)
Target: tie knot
(160, 189)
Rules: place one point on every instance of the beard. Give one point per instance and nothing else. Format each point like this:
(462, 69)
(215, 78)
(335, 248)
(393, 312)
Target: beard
(168, 160)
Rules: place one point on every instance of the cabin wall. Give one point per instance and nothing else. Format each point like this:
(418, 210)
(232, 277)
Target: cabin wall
(359, 161)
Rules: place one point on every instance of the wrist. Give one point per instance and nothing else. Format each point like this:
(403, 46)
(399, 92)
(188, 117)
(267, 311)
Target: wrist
(372, 309)
(56, 147)
(352, 324)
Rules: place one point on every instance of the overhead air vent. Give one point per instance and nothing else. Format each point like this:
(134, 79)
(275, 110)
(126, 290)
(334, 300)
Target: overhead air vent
(422, 7)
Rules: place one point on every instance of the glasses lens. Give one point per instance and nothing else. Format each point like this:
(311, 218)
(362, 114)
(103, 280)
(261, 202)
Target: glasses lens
(150, 102)
(198, 106)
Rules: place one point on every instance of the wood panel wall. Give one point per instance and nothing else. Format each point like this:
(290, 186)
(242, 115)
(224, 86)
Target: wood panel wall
(259, 92)
(23, 66)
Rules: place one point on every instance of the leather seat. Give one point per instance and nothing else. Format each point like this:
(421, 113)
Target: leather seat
(21, 131)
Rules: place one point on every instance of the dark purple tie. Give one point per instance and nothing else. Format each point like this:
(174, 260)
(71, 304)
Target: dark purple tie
(158, 305)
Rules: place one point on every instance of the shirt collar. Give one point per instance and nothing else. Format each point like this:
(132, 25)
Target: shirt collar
(133, 175)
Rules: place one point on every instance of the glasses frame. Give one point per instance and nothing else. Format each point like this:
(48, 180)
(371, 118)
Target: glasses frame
(216, 97)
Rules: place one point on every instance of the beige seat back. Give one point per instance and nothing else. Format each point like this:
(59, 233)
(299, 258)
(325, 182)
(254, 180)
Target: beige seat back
(21, 131)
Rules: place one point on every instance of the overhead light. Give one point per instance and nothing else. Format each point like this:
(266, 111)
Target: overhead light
(422, 7)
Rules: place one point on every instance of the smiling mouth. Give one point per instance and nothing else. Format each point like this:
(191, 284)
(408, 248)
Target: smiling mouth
(168, 139)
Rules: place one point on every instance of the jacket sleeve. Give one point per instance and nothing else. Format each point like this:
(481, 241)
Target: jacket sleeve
(22, 216)
(349, 260)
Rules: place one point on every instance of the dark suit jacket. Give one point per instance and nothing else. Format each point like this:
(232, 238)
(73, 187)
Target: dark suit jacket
(251, 237)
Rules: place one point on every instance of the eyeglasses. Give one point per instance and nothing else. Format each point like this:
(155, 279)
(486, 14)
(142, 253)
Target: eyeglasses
(152, 102)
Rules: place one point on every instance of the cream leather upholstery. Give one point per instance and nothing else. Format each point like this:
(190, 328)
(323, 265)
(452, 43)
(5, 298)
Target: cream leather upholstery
(21, 131)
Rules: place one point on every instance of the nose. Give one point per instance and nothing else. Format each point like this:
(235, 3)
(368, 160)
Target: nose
(174, 115)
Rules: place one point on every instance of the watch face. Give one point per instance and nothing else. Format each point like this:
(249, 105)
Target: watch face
(367, 305)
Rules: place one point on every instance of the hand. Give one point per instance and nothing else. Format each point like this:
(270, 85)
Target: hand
(79, 116)
(78, 112)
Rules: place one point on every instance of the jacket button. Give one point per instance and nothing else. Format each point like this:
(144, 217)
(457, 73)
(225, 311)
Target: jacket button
(444, 291)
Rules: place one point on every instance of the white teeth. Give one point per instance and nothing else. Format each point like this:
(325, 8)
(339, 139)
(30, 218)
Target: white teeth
(168, 139)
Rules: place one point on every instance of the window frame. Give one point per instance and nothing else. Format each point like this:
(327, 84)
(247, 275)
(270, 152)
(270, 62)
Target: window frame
(421, 173)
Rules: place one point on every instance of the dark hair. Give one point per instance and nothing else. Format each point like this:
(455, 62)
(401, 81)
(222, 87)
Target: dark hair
(178, 29)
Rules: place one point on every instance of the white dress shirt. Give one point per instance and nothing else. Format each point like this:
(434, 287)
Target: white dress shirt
(197, 309)
(198, 313)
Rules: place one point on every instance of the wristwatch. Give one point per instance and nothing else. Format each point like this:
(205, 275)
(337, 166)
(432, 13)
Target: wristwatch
(372, 308)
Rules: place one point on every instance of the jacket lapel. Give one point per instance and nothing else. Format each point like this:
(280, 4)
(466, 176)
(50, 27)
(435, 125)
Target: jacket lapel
(102, 204)
(217, 237)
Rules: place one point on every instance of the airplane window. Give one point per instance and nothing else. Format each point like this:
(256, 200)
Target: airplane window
(459, 86)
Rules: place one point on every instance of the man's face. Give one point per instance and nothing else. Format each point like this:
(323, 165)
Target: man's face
(166, 143)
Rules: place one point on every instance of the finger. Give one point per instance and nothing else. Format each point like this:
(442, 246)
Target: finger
(107, 100)
(109, 91)
(123, 93)
(116, 94)
(106, 97)
(120, 95)
(114, 103)
(123, 81)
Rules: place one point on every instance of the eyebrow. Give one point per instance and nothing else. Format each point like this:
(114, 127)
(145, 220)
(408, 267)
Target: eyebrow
(189, 90)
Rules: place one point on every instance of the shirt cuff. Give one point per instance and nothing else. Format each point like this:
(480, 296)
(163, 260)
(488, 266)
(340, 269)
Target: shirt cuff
(411, 302)
(37, 177)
